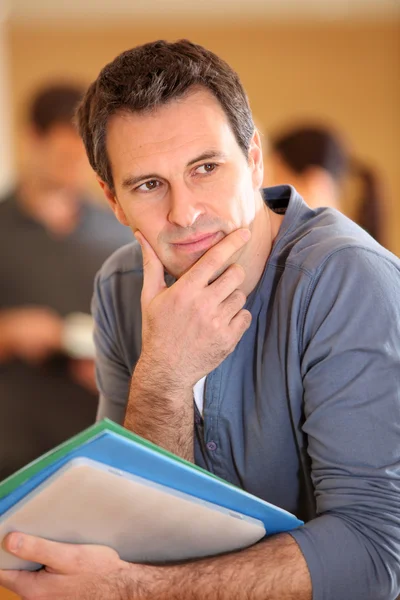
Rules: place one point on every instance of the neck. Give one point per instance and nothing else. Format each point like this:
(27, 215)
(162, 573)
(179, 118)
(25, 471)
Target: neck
(264, 230)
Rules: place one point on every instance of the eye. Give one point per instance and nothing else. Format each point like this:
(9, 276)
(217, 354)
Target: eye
(206, 168)
(148, 186)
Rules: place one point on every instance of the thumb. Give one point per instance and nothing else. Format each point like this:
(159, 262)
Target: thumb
(153, 271)
(59, 557)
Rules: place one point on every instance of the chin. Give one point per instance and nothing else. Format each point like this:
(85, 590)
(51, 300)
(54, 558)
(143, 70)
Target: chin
(178, 270)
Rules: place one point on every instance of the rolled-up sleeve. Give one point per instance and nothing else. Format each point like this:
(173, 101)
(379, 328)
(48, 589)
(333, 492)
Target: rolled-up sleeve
(351, 377)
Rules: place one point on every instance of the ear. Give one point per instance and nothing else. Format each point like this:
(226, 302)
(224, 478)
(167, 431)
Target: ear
(113, 202)
(256, 160)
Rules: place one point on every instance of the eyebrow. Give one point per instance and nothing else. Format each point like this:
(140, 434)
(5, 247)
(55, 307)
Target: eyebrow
(131, 181)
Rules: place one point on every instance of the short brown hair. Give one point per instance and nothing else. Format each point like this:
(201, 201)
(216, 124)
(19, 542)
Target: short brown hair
(149, 76)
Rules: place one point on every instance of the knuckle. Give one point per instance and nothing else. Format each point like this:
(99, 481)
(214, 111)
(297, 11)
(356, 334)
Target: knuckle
(108, 553)
(246, 318)
(238, 272)
(216, 324)
(239, 297)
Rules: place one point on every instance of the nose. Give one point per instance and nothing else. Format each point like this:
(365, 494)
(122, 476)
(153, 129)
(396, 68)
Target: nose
(184, 208)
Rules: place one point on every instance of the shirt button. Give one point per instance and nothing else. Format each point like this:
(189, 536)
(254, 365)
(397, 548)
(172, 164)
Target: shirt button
(211, 446)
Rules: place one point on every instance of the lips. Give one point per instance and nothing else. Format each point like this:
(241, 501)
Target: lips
(196, 243)
(194, 240)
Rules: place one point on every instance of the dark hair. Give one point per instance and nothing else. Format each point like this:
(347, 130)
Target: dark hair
(304, 147)
(149, 76)
(312, 146)
(54, 104)
(371, 205)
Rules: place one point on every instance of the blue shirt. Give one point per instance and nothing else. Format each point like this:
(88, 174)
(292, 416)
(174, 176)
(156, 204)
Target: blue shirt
(305, 412)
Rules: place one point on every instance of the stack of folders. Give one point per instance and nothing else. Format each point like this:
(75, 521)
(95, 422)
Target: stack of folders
(108, 486)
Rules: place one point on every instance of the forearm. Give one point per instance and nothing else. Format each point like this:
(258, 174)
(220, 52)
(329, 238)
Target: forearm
(271, 570)
(161, 412)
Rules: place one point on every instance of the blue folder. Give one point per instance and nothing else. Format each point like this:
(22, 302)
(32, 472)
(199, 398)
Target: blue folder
(130, 453)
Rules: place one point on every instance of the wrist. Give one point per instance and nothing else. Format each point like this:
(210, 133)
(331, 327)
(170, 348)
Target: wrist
(154, 381)
(162, 413)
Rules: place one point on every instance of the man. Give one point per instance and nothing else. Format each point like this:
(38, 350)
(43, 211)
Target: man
(52, 242)
(292, 315)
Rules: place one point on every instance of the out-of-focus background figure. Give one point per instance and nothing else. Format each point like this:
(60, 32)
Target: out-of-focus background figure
(317, 161)
(53, 239)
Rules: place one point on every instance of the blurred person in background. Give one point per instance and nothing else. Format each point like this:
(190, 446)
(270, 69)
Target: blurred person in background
(317, 162)
(53, 239)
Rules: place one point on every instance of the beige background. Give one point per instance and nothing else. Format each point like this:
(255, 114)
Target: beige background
(346, 73)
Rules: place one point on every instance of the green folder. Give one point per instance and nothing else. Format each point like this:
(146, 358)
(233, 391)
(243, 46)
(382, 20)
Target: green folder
(49, 458)
(113, 445)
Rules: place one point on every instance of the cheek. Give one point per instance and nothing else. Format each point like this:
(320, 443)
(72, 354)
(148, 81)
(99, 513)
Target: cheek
(146, 218)
(243, 205)
(233, 198)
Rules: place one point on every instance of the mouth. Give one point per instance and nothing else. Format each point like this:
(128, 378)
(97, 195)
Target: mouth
(197, 243)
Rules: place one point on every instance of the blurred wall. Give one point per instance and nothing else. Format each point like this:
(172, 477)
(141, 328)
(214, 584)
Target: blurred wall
(348, 73)
(6, 158)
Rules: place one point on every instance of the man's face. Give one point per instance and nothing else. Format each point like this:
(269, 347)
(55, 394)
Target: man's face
(181, 178)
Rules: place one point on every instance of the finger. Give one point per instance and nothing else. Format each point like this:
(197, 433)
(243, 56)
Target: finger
(240, 324)
(232, 305)
(215, 259)
(153, 271)
(19, 582)
(59, 557)
(54, 555)
(229, 281)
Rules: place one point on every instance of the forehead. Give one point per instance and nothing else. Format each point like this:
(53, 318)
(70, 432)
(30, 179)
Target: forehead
(182, 126)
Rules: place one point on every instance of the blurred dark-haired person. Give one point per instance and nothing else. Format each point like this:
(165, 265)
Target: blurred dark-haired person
(53, 239)
(268, 354)
(317, 161)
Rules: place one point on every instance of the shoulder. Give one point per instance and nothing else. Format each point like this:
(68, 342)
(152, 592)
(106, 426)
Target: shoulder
(125, 261)
(119, 282)
(348, 279)
(116, 305)
(313, 238)
(323, 258)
